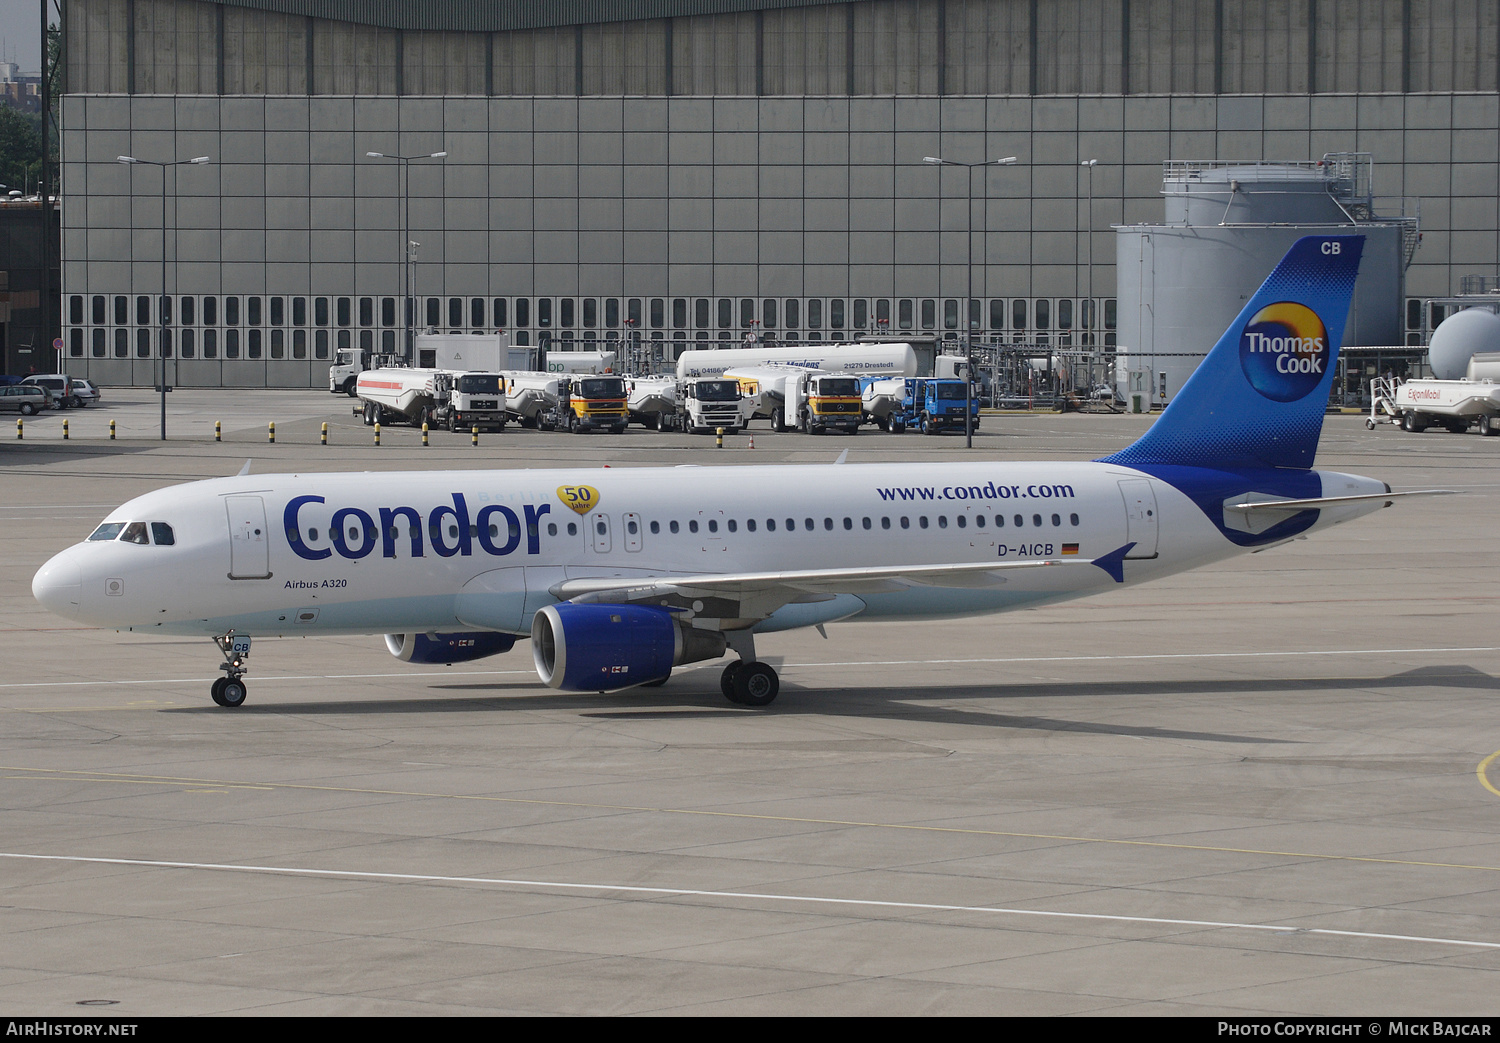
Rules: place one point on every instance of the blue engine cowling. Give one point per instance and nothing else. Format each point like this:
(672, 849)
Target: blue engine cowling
(603, 648)
(448, 648)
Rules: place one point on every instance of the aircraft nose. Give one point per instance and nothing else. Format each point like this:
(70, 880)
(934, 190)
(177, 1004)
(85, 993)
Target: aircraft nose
(58, 585)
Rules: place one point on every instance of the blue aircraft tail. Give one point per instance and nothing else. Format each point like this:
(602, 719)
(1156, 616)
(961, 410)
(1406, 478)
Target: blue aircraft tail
(1258, 398)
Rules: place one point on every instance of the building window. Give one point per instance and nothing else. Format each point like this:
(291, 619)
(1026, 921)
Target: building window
(320, 344)
(252, 311)
(143, 344)
(231, 317)
(100, 346)
(185, 309)
(210, 311)
(252, 345)
(187, 344)
(210, 344)
(98, 309)
(75, 338)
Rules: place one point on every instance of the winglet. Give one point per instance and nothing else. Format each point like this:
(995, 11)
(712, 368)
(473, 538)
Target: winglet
(245, 470)
(1114, 562)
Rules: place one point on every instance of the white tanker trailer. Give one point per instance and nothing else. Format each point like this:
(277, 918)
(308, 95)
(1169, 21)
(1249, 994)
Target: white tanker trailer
(856, 359)
(529, 395)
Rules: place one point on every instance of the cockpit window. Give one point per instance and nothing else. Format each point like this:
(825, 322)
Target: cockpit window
(161, 534)
(135, 532)
(107, 531)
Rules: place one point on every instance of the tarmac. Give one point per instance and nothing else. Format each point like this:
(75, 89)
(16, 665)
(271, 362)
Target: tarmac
(1268, 787)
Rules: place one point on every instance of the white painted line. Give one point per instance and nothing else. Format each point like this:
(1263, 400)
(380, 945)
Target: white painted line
(682, 892)
(1163, 655)
(265, 677)
(863, 662)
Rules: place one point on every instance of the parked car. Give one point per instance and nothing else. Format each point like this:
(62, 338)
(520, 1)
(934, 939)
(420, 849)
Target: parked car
(26, 399)
(86, 391)
(61, 386)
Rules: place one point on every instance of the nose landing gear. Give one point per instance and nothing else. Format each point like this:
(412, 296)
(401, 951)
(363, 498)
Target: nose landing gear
(229, 690)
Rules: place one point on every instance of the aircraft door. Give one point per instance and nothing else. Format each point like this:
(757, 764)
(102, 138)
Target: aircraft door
(249, 550)
(600, 524)
(1140, 517)
(632, 532)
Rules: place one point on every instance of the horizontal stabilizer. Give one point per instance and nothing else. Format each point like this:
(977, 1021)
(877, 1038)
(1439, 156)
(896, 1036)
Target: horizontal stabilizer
(1313, 502)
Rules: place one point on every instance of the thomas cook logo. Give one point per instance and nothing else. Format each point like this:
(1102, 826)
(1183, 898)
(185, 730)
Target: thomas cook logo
(1284, 351)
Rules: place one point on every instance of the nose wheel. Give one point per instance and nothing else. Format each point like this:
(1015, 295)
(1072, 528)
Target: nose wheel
(229, 691)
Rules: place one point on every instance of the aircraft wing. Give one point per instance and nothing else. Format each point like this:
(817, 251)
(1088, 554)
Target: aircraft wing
(743, 598)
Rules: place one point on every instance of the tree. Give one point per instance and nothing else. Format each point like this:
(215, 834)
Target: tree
(20, 149)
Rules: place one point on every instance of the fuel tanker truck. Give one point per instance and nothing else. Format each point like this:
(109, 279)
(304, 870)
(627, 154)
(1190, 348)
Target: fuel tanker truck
(457, 400)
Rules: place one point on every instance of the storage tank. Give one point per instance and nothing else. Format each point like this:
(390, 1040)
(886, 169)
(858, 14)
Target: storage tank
(1180, 284)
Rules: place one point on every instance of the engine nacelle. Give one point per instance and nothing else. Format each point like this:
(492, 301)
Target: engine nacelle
(603, 648)
(448, 648)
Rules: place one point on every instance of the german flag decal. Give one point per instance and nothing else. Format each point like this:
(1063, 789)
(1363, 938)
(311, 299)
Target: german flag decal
(1070, 548)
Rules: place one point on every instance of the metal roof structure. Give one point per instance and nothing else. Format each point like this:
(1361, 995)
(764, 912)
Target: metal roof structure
(504, 15)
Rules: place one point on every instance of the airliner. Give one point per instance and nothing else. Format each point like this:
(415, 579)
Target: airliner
(617, 576)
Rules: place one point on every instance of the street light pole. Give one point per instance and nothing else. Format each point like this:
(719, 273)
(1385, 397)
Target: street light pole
(969, 269)
(162, 311)
(1091, 321)
(408, 253)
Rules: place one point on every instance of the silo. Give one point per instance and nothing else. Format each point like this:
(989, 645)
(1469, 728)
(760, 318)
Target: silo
(1181, 283)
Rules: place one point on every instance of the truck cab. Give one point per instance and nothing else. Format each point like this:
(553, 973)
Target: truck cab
(709, 404)
(349, 363)
(591, 404)
(472, 399)
(933, 404)
(829, 402)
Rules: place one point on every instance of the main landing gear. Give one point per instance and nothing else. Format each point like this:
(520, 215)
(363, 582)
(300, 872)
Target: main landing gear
(745, 681)
(230, 690)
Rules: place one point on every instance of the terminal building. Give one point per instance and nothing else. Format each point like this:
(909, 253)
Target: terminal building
(689, 171)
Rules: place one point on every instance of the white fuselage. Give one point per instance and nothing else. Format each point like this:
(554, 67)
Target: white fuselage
(479, 550)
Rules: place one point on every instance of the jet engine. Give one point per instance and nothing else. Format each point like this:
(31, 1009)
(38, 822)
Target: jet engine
(448, 648)
(603, 648)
